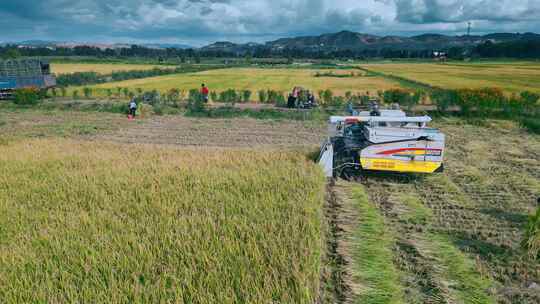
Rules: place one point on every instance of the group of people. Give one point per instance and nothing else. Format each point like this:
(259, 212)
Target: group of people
(133, 103)
(300, 98)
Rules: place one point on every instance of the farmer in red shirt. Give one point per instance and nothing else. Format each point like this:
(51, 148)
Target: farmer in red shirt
(204, 92)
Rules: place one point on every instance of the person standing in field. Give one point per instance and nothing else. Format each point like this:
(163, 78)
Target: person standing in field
(132, 109)
(204, 92)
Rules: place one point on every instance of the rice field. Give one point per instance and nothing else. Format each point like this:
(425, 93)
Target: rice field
(101, 68)
(512, 77)
(107, 223)
(255, 79)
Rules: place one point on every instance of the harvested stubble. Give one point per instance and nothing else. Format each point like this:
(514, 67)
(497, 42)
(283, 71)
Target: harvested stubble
(464, 227)
(90, 222)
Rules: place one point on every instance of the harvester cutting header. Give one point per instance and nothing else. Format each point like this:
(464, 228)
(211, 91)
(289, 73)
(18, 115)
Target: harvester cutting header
(381, 140)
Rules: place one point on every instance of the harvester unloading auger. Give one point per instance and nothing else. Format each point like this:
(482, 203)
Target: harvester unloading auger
(381, 140)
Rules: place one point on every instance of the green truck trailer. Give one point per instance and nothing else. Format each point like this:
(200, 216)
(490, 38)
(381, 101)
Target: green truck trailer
(24, 73)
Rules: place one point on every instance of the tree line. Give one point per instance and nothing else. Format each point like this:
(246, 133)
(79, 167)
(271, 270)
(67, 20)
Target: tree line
(528, 49)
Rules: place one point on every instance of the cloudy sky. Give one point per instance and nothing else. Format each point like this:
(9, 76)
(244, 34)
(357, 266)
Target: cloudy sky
(197, 22)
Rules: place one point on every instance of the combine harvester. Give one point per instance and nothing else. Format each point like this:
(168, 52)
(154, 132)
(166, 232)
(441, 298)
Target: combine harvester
(24, 73)
(385, 140)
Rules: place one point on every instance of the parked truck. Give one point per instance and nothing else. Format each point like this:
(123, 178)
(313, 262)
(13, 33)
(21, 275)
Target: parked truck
(24, 73)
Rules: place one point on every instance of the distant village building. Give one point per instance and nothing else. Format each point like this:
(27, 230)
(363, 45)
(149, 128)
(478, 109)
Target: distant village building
(440, 56)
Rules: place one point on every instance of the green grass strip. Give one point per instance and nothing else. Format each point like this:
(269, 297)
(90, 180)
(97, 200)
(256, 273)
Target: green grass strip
(466, 284)
(373, 255)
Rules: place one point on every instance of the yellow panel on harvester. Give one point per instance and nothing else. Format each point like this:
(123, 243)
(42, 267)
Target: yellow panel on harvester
(381, 164)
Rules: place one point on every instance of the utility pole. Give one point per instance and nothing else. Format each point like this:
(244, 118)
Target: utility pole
(468, 29)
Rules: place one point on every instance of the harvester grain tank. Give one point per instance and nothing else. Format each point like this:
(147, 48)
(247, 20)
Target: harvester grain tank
(24, 73)
(381, 140)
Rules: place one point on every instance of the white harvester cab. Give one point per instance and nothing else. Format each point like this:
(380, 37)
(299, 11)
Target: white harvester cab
(386, 140)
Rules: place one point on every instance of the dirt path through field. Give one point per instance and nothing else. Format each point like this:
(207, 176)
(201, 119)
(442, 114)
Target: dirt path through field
(237, 132)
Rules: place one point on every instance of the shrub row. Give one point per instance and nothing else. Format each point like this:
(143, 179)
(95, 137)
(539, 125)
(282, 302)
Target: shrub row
(231, 96)
(27, 96)
(332, 74)
(487, 102)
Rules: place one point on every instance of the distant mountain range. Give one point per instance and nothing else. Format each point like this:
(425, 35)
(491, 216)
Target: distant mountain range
(68, 44)
(341, 41)
(346, 40)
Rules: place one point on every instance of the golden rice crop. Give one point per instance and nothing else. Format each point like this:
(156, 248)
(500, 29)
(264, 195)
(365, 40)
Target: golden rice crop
(101, 223)
(512, 77)
(253, 79)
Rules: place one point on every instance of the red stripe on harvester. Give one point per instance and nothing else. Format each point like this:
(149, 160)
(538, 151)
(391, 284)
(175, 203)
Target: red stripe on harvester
(387, 152)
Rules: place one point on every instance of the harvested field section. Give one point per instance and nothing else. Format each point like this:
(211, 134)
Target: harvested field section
(31, 124)
(432, 269)
(496, 167)
(460, 231)
(238, 132)
(94, 222)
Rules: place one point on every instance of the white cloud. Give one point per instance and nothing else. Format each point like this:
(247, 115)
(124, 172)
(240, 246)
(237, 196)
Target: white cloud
(201, 21)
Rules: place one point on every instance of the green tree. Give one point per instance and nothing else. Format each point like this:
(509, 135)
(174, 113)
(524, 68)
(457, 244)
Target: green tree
(320, 93)
(195, 101)
(63, 91)
(444, 99)
(214, 96)
(529, 100)
(28, 96)
(54, 93)
(75, 94)
(173, 95)
(263, 96)
(11, 53)
(328, 96)
(87, 92)
(246, 95)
